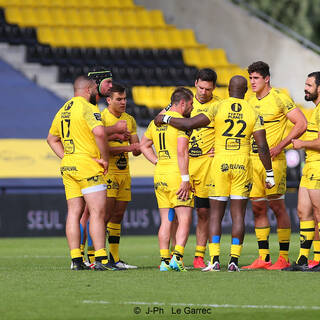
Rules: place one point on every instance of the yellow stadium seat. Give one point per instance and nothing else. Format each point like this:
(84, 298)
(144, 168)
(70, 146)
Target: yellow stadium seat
(144, 19)
(29, 17)
(61, 37)
(58, 17)
(147, 38)
(116, 19)
(44, 17)
(119, 38)
(90, 37)
(130, 18)
(31, 3)
(13, 15)
(46, 35)
(87, 17)
(75, 37)
(133, 38)
(162, 38)
(105, 38)
(221, 92)
(157, 19)
(219, 57)
(102, 18)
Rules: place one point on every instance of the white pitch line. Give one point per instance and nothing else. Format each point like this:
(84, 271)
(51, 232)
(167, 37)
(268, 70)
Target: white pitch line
(226, 306)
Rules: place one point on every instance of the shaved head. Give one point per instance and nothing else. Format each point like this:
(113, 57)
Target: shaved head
(238, 87)
(85, 87)
(82, 82)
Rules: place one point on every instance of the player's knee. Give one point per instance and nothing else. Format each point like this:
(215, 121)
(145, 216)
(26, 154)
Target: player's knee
(203, 214)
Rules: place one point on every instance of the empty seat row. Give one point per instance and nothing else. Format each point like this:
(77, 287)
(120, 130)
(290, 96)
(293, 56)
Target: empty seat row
(203, 57)
(12, 34)
(68, 3)
(85, 17)
(135, 76)
(46, 55)
(117, 38)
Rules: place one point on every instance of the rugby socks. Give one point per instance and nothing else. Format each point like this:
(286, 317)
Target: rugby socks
(101, 256)
(284, 241)
(82, 241)
(82, 251)
(114, 230)
(178, 251)
(200, 251)
(262, 235)
(235, 251)
(165, 255)
(316, 250)
(214, 249)
(171, 250)
(306, 238)
(75, 253)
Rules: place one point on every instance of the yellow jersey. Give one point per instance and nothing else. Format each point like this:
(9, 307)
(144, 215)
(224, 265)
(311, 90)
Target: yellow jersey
(119, 163)
(312, 133)
(165, 140)
(273, 108)
(74, 123)
(202, 139)
(235, 121)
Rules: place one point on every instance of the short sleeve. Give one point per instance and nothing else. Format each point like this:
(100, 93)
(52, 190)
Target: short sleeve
(54, 129)
(92, 117)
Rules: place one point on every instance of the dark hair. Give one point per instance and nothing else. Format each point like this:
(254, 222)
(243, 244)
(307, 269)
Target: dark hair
(116, 87)
(207, 74)
(181, 93)
(316, 76)
(259, 67)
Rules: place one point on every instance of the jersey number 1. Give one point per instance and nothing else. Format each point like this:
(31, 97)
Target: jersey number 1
(67, 121)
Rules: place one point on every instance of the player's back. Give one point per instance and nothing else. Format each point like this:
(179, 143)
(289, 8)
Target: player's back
(165, 140)
(235, 121)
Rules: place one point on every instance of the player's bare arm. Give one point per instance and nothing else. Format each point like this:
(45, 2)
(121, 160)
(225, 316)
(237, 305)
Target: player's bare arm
(198, 121)
(183, 163)
(310, 144)
(135, 143)
(300, 126)
(56, 145)
(147, 150)
(264, 155)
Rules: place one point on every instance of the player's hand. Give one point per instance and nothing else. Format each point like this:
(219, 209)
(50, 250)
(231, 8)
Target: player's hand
(211, 152)
(121, 126)
(104, 164)
(297, 143)
(270, 179)
(135, 147)
(275, 152)
(184, 190)
(158, 120)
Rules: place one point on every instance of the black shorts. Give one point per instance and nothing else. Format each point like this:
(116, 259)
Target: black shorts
(201, 202)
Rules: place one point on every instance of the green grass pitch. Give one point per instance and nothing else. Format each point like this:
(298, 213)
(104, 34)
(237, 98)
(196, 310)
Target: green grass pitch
(36, 283)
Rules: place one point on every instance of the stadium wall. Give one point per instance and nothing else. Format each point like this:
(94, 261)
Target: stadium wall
(44, 214)
(221, 24)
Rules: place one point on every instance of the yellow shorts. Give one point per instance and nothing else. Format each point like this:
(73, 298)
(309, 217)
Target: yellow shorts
(232, 176)
(166, 187)
(118, 186)
(75, 187)
(199, 169)
(311, 175)
(259, 190)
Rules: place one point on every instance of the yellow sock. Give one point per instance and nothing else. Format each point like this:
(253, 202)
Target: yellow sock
(262, 235)
(179, 250)
(114, 230)
(316, 250)
(90, 254)
(101, 255)
(214, 251)
(235, 250)
(200, 251)
(284, 241)
(75, 253)
(165, 254)
(306, 238)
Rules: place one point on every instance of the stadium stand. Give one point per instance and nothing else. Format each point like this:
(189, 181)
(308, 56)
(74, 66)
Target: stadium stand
(141, 48)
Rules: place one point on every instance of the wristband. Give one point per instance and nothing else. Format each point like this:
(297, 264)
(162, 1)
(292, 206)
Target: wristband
(185, 178)
(270, 173)
(166, 119)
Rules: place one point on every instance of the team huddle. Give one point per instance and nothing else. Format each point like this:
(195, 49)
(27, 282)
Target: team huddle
(205, 151)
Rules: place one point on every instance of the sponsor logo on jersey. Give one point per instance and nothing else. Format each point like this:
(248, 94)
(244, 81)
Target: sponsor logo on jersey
(97, 116)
